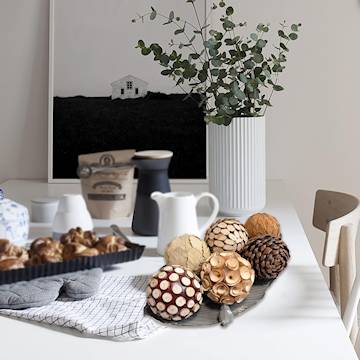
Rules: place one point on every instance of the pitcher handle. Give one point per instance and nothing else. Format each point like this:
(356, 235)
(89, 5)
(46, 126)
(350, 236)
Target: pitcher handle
(214, 213)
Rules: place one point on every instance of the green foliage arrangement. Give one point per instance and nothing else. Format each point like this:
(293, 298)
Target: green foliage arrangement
(231, 71)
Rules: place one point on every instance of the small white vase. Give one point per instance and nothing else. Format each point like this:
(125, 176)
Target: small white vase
(71, 213)
(237, 175)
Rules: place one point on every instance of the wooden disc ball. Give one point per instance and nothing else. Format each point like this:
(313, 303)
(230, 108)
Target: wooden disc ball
(174, 293)
(226, 235)
(227, 278)
(262, 224)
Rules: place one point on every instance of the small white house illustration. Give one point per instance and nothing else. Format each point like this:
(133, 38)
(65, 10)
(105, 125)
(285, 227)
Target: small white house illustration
(128, 87)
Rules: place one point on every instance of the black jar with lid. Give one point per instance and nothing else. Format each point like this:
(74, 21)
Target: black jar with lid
(153, 176)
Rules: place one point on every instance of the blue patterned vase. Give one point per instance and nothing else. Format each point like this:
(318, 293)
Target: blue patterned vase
(14, 221)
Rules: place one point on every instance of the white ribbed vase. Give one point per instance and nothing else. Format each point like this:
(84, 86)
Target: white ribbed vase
(237, 165)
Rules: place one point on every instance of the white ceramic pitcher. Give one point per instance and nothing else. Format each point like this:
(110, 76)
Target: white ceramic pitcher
(177, 215)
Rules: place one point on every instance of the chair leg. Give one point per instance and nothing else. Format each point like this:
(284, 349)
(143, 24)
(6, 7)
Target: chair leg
(347, 272)
(334, 284)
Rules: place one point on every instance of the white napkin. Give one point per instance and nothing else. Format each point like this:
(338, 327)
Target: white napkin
(116, 311)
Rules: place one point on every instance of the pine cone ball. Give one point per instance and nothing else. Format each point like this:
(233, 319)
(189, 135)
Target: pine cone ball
(262, 224)
(226, 235)
(188, 251)
(227, 277)
(174, 293)
(268, 256)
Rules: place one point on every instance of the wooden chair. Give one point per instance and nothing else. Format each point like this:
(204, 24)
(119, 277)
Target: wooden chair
(338, 215)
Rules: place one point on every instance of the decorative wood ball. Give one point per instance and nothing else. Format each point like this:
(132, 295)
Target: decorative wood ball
(227, 277)
(268, 256)
(226, 235)
(188, 251)
(262, 224)
(174, 293)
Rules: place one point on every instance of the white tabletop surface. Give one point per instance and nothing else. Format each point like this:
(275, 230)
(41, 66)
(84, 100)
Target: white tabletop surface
(297, 319)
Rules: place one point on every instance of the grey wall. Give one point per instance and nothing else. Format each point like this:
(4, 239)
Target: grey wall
(23, 90)
(312, 131)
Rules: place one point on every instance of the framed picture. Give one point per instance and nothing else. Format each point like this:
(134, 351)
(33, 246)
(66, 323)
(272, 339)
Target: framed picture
(104, 95)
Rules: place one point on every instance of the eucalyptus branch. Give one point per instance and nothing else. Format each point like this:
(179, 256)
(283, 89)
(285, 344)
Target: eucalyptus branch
(202, 36)
(235, 79)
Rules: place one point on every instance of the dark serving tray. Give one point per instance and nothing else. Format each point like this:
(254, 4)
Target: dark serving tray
(209, 313)
(134, 252)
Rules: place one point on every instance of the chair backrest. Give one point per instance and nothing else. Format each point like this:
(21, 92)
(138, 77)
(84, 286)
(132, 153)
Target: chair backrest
(338, 215)
(332, 211)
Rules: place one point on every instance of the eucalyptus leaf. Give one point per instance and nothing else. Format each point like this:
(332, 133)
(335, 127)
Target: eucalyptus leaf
(145, 51)
(229, 11)
(258, 58)
(243, 78)
(237, 91)
(166, 72)
(278, 87)
(214, 72)
(194, 56)
(202, 75)
(249, 64)
(228, 24)
(153, 15)
(233, 101)
(216, 62)
(261, 43)
(233, 72)
(282, 34)
(253, 36)
(173, 55)
(283, 46)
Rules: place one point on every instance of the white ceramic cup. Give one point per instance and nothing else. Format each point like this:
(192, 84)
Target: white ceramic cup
(72, 212)
(43, 210)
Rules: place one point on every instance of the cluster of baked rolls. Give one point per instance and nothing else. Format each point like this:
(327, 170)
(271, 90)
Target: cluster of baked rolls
(12, 256)
(74, 244)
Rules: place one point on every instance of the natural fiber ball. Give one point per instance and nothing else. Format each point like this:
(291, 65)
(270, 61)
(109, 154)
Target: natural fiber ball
(188, 251)
(226, 235)
(262, 224)
(268, 256)
(227, 277)
(174, 293)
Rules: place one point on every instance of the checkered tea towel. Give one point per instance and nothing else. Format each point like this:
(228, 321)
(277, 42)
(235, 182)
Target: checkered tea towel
(116, 311)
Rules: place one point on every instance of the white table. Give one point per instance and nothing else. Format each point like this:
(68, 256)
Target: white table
(297, 319)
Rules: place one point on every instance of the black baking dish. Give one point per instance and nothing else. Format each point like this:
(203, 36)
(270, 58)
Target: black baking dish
(133, 252)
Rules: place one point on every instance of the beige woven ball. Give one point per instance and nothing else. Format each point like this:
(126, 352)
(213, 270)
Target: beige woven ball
(188, 251)
(227, 278)
(174, 293)
(262, 224)
(226, 235)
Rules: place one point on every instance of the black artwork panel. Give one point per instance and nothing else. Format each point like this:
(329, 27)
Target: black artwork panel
(84, 125)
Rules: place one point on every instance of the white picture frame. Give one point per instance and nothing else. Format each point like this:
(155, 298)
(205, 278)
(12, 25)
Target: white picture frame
(51, 179)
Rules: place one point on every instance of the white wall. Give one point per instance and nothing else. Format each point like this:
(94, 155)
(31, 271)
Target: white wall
(95, 47)
(313, 129)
